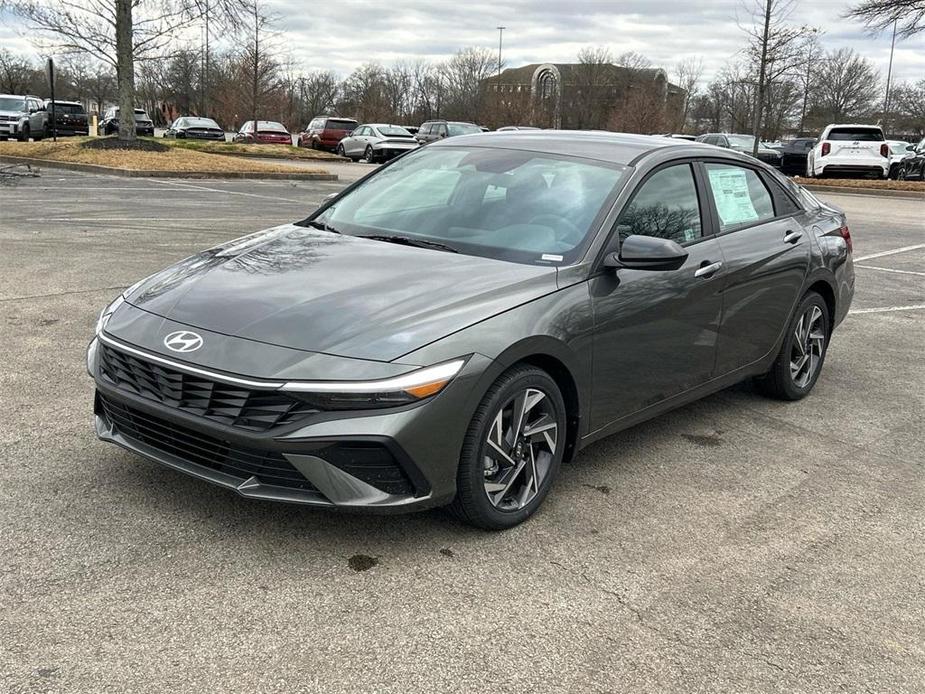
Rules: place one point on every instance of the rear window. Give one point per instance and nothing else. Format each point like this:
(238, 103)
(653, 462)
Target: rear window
(68, 108)
(852, 134)
(348, 125)
(394, 131)
(271, 126)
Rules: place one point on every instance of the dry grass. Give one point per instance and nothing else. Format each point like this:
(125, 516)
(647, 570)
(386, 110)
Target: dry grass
(177, 159)
(237, 148)
(867, 183)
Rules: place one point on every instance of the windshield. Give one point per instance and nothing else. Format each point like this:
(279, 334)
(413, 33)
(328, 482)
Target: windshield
(12, 103)
(899, 147)
(394, 131)
(527, 207)
(462, 129)
(746, 141)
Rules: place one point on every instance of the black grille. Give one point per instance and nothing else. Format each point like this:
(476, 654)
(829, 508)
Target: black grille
(254, 410)
(270, 467)
(370, 462)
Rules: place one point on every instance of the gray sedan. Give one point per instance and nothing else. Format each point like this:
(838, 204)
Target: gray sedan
(455, 326)
(376, 142)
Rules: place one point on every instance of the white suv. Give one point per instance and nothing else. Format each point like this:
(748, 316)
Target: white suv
(850, 149)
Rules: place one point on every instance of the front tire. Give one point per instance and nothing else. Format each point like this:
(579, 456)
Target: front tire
(802, 354)
(24, 133)
(512, 451)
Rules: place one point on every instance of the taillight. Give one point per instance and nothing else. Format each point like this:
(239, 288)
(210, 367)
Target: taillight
(845, 234)
(884, 150)
(826, 148)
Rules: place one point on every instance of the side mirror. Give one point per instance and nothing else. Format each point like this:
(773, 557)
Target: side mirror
(647, 253)
(911, 148)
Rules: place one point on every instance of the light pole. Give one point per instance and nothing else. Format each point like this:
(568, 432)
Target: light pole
(889, 76)
(500, 37)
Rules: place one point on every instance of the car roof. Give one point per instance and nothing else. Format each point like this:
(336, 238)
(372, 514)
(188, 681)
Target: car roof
(616, 148)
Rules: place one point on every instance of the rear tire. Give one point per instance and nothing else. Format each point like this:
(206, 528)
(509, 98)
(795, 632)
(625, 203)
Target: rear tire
(512, 450)
(369, 156)
(802, 354)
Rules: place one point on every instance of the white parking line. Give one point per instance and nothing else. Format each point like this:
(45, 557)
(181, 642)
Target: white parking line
(893, 252)
(229, 192)
(887, 309)
(890, 269)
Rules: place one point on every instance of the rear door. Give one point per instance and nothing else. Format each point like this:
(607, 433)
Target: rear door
(766, 247)
(655, 331)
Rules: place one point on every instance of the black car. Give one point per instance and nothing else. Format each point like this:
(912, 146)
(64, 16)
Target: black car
(110, 123)
(914, 167)
(457, 324)
(195, 128)
(794, 153)
(70, 118)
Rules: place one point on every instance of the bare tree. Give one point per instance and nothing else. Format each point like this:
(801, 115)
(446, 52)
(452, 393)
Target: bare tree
(773, 48)
(16, 73)
(877, 15)
(118, 32)
(847, 87)
(258, 60)
(594, 87)
(688, 73)
(463, 75)
(318, 93)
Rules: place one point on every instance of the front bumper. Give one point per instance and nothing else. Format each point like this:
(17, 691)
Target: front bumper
(393, 460)
(8, 129)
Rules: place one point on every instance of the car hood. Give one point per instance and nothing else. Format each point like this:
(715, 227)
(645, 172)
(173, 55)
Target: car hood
(16, 114)
(341, 295)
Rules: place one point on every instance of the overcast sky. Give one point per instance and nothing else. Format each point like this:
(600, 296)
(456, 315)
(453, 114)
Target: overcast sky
(343, 34)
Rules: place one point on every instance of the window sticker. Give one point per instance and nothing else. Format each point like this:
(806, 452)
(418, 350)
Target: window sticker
(730, 191)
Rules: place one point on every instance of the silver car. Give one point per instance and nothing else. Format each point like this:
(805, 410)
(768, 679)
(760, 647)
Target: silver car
(21, 117)
(376, 142)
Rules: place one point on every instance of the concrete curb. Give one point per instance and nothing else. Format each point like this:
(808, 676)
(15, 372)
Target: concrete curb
(127, 173)
(876, 192)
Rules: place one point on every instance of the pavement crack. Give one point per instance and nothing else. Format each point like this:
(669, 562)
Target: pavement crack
(54, 294)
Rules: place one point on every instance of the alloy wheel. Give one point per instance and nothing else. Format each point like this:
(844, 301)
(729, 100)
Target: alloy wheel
(808, 345)
(519, 449)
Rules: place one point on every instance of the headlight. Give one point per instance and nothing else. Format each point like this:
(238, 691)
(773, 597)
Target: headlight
(107, 312)
(389, 392)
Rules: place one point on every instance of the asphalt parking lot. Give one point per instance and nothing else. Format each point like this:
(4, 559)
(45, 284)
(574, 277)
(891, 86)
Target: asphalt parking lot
(735, 545)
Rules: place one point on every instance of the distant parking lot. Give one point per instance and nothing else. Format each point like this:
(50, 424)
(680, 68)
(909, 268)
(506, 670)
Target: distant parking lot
(735, 545)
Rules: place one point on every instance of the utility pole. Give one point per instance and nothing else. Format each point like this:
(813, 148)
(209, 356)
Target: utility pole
(889, 76)
(500, 37)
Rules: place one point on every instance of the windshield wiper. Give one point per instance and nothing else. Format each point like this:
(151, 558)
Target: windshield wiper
(408, 241)
(324, 226)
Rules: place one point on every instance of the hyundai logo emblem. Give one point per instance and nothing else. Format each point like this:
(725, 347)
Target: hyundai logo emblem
(183, 341)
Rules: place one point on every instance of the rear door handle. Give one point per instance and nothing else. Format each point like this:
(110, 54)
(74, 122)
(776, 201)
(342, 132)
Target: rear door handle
(792, 237)
(707, 270)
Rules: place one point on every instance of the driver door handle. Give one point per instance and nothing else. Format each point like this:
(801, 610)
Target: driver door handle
(792, 237)
(708, 270)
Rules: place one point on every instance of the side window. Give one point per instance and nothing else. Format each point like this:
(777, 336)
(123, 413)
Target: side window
(665, 206)
(783, 203)
(740, 195)
(441, 130)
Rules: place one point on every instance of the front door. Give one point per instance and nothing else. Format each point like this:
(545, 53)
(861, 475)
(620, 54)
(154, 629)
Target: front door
(656, 331)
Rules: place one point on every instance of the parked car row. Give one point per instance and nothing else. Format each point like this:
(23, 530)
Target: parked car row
(25, 116)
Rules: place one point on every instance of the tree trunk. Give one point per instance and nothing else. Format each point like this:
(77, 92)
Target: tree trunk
(762, 75)
(125, 70)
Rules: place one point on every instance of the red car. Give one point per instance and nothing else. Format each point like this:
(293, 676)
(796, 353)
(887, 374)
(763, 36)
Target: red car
(267, 132)
(326, 133)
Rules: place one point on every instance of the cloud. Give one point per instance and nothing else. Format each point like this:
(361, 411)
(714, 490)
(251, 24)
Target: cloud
(342, 34)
